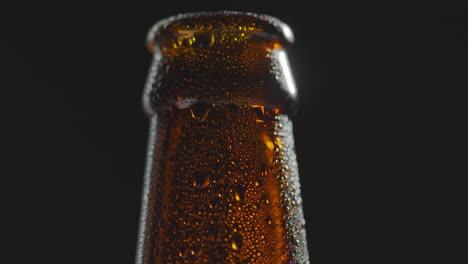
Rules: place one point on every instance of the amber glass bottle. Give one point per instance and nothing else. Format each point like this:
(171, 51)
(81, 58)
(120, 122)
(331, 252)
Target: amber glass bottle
(222, 183)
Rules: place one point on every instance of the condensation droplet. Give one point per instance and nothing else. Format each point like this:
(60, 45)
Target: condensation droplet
(199, 139)
(239, 193)
(231, 110)
(213, 232)
(212, 39)
(236, 242)
(269, 222)
(268, 143)
(264, 169)
(260, 111)
(234, 245)
(200, 111)
(202, 179)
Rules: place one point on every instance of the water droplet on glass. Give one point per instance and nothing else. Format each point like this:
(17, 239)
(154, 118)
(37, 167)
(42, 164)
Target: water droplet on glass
(231, 110)
(239, 193)
(260, 111)
(236, 242)
(202, 179)
(269, 145)
(199, 138)
(200, 111)
(212, 39)
(234, 245)
(268, 220)
(264, 170)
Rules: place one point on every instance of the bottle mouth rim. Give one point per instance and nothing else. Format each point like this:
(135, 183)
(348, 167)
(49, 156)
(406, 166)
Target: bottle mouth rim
(223, 21)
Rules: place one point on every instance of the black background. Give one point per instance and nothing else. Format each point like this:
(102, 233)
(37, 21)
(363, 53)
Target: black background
(375, 84)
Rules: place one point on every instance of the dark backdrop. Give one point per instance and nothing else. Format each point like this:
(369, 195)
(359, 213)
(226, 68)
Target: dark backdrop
(373, 80)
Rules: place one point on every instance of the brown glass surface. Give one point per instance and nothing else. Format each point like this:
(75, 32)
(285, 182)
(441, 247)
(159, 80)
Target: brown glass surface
(222, 183)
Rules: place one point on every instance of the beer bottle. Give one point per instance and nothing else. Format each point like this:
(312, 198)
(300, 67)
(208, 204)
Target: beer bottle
(221, 183)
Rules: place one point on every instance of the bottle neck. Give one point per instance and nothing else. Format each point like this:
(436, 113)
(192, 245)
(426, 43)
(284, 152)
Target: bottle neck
(225, 176)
